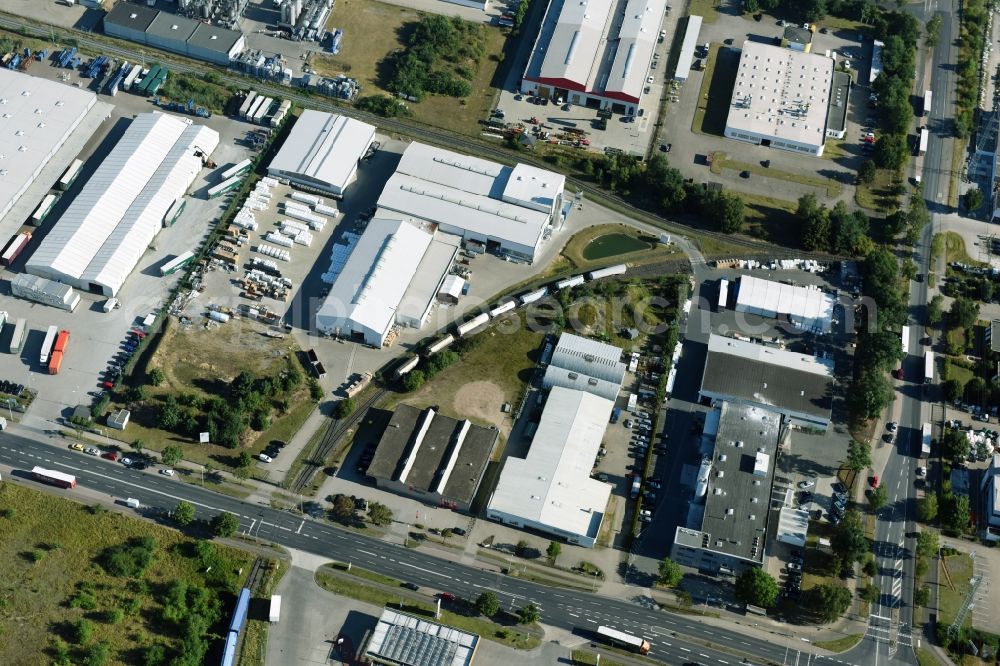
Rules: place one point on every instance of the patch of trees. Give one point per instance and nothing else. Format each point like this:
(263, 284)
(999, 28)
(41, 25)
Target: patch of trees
(441, 57)
(838, 230)
(129, 559)
(848, 541)
(188, 611)
(975, 18)
(878, 347)
(428, 367)
(757, 587)
(248, 403)
(383, 105)
(827, 601)
(658, 187)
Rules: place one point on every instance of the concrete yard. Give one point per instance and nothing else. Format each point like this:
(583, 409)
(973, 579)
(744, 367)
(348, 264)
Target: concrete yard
(96, 336)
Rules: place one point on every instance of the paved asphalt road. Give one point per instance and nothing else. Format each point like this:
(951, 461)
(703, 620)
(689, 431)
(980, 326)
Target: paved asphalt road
(676, 639)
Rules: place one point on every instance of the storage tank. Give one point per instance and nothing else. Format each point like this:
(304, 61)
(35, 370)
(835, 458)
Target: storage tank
(215, 315)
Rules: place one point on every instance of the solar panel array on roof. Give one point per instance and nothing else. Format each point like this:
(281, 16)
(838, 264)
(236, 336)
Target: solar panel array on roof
(410, 641)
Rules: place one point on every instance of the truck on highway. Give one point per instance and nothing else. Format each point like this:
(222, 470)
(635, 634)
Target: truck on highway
(925, 441)
(53, 478)
(622, 640)
(928, 367)
(922, 148)
(927, 103)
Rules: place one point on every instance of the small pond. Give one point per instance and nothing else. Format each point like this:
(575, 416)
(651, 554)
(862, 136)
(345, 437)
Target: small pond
(609, 245)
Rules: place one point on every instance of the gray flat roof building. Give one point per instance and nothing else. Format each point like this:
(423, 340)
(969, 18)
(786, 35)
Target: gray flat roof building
(174, 33)
(405, 640)
(836, 115)
(433, 458)
(797, 385)
(735, 519)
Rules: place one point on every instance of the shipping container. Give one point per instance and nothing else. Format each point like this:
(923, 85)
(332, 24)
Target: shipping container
(263, 110)
(62, 341)
(147, 78)
(237, 169)
(17, 339)
(248, 103)
(43, 209)
(47, 343)
(254, 107)
(53, 478)
(14, 248)
(70, 175)
(225, 186)
(55, 362)
(131, 78)
(175, 211)
(176, 263)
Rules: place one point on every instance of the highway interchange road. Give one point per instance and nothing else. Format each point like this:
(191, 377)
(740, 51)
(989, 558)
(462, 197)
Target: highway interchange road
(676, 639)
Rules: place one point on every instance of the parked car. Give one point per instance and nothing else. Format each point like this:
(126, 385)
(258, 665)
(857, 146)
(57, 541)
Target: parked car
(411, 586)
(265, 458)
(92, 451)
(76, 446)
(110, 455)
(808, 483)
(167, 472)
(458, 530)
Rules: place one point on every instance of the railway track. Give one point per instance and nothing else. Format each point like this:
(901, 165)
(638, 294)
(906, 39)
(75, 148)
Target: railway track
(334, 431)
(255, 576)
(397, 126)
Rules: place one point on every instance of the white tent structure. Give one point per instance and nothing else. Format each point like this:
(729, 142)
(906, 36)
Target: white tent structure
(100, 238)
(807, 308)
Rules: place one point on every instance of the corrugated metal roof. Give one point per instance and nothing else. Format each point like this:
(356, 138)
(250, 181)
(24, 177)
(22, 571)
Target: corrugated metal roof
(369, 288)
(36, 117)
(575, 49)
(556, 376)
(324, 147)
(637, 38)
(462, 172)
(589, 357)
(807, 308)
(552, 486)
(108, 226)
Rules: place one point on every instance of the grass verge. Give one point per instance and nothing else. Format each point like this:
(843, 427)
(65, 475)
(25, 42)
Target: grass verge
(51, 550)
(330, 580)
(841, 644)
(926, 658)
(577, 245)
(953, 246)
(876, 195)
(212, 482)
(957, 157)
(716, 89)
(585, 658)
(707, 9)
(721, 161)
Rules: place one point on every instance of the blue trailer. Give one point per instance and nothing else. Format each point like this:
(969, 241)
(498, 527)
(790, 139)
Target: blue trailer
(240, 613)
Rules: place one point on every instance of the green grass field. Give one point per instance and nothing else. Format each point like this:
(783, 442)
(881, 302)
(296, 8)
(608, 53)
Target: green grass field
(49, 553)
(716, 89)
(954, 587)
(841, 644)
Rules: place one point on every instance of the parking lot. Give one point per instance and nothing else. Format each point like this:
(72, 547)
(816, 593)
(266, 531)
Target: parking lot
(97, 337)
(839, 164)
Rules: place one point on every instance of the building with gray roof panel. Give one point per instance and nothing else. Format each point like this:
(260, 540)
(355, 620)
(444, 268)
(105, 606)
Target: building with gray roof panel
(589, 357)
(732, 528)
(215, 44)
(404, 640)
(433, 458)
(797, 38)
(129, 21)
(797, 385)
(836, 115)
(170, 32)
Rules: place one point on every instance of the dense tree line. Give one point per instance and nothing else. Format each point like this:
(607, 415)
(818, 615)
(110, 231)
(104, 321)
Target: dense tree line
(383, 105)
(441, 57)
(838, 230)
(975, 19)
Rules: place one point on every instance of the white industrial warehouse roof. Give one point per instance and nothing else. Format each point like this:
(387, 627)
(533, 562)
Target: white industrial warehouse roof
(788, 360)
(781, 93)
(807, 308)
(461, 172)
(575, 49)
(324, 147)
(376, 275)
(533, 187)
(552, 486)
(556, 376)
(415, 197)
(637, 37)
(589, 357)
(36, 117)
(407, 640)
(112, 221)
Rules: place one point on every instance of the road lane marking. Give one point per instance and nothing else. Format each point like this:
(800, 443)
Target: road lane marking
(367, 553)
(140, 487)
(434, 573)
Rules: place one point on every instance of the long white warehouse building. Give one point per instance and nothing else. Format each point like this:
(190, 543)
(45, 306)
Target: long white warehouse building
(551, 490)
(391, 277)
(100, 238)
(506, 209)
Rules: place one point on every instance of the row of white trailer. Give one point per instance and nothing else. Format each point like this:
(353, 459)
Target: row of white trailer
(478, 322)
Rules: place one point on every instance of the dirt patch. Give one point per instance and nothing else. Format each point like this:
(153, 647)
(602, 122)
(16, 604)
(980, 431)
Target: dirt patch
(481, 401)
